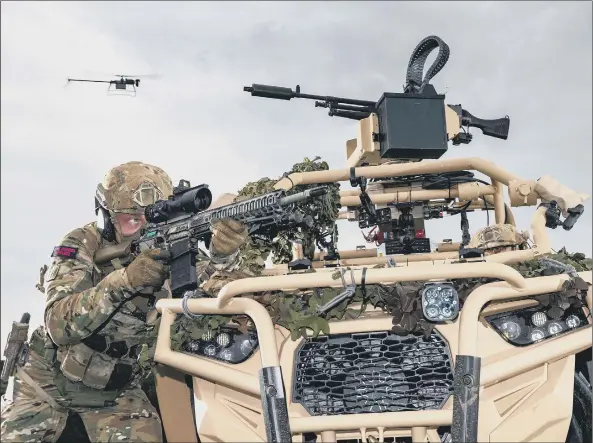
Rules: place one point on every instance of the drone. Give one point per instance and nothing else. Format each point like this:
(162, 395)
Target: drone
(118, 85)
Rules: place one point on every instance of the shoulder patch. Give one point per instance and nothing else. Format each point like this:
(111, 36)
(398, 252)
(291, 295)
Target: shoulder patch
(86, 237)
(64, 251)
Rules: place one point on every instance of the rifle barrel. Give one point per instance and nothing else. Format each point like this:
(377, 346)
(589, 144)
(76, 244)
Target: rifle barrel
(300, 196)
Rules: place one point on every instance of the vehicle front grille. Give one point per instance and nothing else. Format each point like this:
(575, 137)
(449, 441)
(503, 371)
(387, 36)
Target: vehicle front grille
(372, 372)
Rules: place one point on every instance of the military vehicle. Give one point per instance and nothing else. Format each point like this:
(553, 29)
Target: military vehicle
(486, 339)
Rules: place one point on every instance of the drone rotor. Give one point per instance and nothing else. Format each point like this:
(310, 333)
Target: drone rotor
(153, 76)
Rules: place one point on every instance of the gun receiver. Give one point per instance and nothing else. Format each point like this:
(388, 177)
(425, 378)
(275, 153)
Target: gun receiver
(338, 106)
(415, 124)
(178, 224)
(15, 351)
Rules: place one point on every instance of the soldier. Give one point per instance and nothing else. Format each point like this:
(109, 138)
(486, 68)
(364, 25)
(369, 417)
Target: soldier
(498, 238)
(84, 361)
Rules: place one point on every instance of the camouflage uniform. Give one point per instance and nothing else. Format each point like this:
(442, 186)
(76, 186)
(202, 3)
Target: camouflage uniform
(85, 358)
(498, 238)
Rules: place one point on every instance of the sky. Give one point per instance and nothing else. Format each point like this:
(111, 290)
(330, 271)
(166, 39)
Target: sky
(528, 60)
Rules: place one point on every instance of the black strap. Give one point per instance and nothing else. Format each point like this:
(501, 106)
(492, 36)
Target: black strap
(363, 288)
(115, 349)
(120, 377)
(414, 80)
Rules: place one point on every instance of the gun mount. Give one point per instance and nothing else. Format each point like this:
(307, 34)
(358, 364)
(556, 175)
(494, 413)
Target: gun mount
(413, 125)
(405, 127)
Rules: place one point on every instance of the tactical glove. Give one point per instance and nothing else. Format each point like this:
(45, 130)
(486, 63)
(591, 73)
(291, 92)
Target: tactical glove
(227, 236)
(146, 271)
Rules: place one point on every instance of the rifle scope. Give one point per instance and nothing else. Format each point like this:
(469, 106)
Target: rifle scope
(185, 201)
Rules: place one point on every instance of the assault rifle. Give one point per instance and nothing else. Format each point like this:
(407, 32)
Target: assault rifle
(15, 351)
(178, 224)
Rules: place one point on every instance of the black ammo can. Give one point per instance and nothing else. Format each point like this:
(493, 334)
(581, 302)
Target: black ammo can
(412, 126)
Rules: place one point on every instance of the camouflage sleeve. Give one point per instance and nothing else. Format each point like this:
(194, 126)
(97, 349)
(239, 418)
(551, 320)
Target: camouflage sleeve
(75, 308)
(207, 266)
(225, 263)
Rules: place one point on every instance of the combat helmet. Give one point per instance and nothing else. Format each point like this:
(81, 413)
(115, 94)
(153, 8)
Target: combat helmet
(129, 188)
(497, 236)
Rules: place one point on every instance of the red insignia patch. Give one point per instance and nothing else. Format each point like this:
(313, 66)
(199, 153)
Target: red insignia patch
(65, 252)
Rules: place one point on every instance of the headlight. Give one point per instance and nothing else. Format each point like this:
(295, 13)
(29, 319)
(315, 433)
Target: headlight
(572, 321)
(440, 302)
(510, 329)
(228, 345)
(539, 319)
(531, 325)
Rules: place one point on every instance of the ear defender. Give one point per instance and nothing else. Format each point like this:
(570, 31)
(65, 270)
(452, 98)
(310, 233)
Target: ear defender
(104, 223)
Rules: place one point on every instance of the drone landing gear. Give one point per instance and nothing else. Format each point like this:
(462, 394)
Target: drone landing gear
(121, 89)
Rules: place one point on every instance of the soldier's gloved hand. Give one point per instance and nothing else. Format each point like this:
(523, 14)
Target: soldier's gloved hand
(146, 271)
(227, 236)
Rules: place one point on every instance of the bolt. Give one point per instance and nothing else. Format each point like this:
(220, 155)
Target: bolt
(271, 391)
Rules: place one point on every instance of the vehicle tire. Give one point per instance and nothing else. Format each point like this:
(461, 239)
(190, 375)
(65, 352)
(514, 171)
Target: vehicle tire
(579, 430)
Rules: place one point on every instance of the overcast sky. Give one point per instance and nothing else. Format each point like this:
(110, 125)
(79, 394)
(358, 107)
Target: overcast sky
(529, 60)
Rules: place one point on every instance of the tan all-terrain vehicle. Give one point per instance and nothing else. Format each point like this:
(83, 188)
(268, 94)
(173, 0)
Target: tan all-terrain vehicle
(481, 340)
(507, 368)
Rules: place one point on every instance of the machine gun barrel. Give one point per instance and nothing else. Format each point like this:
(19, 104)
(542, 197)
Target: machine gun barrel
(282, 93)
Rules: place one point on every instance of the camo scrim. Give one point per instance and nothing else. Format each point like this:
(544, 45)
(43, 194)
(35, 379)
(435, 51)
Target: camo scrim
(499, 235)
(31, 419)
(131, 186)
(297, 310)
(324, 211)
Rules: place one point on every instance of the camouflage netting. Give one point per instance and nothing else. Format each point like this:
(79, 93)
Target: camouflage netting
(324, 211)
(296, 310)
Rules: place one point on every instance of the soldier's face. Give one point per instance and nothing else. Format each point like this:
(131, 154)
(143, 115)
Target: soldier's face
(129, 224)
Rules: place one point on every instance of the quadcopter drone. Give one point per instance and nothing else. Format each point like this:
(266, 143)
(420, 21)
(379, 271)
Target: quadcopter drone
(119, 85)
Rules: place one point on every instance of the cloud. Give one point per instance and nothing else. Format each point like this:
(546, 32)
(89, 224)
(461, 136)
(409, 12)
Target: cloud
(526, 59)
